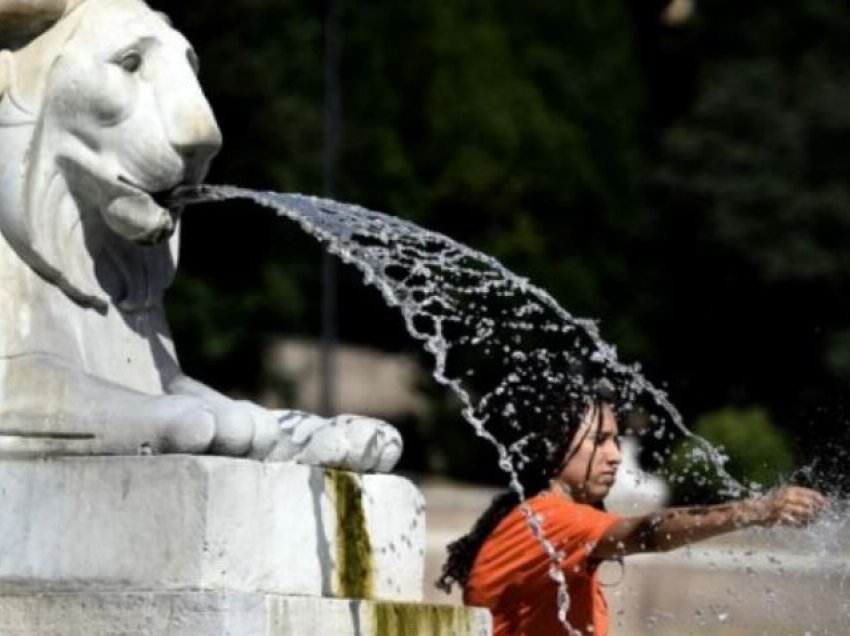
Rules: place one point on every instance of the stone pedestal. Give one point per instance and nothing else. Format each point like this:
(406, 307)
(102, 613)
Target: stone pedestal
(212, 546)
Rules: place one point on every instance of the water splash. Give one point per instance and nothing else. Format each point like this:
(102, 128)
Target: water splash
(510, 353)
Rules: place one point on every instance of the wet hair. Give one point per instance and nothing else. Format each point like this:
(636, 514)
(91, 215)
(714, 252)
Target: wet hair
(547, 455)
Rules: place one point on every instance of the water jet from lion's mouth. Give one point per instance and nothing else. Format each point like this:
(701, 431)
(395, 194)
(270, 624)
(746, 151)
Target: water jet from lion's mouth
(455, 299)
(167, 199)
(505, 347)
(184, 194)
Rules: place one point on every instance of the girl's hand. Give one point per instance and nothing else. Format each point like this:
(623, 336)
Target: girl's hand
(790, 506)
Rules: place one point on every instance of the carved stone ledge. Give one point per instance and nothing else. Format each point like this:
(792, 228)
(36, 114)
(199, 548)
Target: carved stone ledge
(180, 522)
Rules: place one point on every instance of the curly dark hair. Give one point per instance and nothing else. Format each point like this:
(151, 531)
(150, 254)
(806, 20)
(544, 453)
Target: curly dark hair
(547, 455)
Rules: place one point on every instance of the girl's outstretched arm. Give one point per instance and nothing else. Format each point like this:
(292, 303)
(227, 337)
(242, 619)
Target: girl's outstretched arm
(675, 527)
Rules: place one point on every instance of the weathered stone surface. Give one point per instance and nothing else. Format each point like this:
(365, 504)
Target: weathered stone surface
(228, 614)
(208, 523)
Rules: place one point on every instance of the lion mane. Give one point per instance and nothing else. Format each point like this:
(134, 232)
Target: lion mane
(101, 242)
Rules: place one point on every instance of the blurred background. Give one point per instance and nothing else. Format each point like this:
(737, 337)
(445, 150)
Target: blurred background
(676, 169)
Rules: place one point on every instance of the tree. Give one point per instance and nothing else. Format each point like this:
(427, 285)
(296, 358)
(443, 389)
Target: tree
(754, 209)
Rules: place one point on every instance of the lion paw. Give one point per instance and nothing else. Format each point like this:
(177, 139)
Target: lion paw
(349, 442)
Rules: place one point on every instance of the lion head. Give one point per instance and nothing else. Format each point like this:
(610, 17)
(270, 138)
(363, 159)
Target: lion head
(101, 117)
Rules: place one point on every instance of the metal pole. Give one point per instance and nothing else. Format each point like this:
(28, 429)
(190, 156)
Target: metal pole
(330, 160)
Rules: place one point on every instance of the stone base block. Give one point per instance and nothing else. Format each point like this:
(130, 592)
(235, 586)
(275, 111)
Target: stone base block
(228, 614)
(210, 524)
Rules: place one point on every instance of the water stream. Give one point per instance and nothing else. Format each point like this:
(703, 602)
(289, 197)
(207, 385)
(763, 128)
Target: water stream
(510, 353)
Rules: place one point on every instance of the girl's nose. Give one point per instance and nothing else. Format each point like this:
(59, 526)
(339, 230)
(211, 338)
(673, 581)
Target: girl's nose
(615, 455)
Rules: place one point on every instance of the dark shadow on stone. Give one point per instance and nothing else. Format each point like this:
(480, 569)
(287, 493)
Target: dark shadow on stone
(323, 550)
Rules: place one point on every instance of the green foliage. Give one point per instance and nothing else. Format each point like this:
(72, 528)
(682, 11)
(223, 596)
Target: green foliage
(758, 453)
(752, 212)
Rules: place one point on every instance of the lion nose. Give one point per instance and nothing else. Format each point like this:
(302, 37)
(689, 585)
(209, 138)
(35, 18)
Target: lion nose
(198, 143)
(192, 129)
(198, 153)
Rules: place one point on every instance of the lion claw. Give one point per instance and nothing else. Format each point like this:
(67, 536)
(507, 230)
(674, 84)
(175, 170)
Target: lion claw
(349, 442)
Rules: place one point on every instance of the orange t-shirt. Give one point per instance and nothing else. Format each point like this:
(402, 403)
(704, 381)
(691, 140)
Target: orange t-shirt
(510, 575)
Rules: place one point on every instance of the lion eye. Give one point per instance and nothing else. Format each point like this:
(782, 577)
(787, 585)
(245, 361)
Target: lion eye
(130, 61)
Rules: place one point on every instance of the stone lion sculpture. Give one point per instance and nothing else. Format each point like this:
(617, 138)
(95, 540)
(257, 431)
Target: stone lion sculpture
(101, 117)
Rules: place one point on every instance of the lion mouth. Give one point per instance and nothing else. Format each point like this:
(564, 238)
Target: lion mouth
(143, 215)
(165, 199)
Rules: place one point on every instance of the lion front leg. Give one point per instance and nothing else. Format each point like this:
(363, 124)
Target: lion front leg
(242, 428)
(50, 407)
(349, 442)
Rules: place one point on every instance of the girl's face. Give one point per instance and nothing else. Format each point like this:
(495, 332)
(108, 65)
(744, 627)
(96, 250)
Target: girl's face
(593, 457)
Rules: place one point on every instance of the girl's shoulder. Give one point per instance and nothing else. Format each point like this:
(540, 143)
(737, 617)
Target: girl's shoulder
(550, 507)
(548, 500)
(559, 514)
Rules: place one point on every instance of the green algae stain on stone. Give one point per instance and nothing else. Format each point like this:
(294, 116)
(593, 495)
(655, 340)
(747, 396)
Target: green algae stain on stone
(353, 547)
(411, 619)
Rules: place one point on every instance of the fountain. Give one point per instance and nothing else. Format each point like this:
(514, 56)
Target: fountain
(114, 136)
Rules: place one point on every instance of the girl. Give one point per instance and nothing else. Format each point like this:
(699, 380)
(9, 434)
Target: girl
(502, 566)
